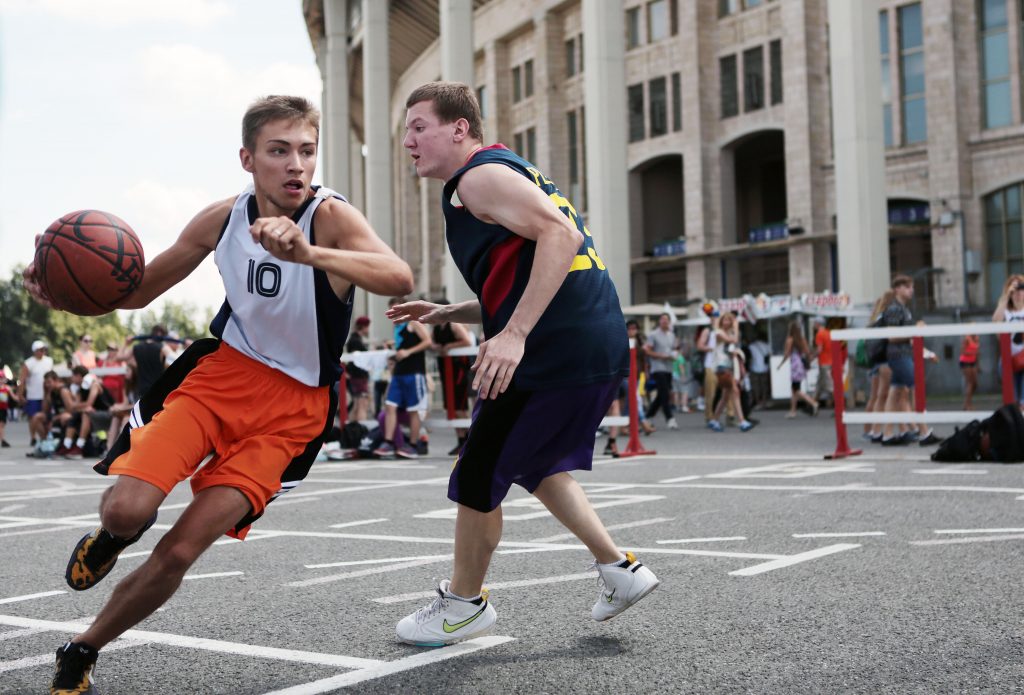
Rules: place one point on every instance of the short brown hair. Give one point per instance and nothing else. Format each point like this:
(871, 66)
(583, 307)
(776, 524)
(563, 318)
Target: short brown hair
(902, 281)
(452, 101)
(276, 108)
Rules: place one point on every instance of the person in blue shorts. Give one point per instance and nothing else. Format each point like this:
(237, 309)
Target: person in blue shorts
(554, 354)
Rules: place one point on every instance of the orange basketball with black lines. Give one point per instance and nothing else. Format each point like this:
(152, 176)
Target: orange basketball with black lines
(89, 262)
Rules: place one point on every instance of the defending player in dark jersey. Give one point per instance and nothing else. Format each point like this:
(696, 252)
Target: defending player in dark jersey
(554, 355)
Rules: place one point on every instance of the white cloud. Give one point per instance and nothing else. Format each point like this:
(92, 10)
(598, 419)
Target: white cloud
(189, 79)
(199, 13)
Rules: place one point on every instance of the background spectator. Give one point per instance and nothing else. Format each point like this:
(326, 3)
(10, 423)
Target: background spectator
(357, 378)
(1011, 308)
(824, 389)
(797, 351)
(30, 383)
(660, 348)
(969, 348)
(84, 355)
(760, 377)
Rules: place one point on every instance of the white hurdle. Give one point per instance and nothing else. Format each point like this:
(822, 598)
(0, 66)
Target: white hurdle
(917, 334)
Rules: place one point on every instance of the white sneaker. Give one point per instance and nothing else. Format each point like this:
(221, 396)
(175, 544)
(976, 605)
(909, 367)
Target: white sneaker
(621, 586)
(447, 620)
(672, 424)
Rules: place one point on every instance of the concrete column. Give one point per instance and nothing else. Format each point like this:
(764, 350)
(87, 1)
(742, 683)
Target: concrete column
(457, 65)
(336, 117)
(863, 240)
(604, 83)
(376, 107)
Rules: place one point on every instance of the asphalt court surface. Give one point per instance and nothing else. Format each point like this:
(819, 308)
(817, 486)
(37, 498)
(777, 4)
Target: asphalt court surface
(781, 573)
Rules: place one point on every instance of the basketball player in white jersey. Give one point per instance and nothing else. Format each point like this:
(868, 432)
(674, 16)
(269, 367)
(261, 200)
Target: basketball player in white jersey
(290, 256)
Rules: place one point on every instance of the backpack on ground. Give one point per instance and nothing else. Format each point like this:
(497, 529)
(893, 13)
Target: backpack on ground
(963, 447)
(352, 434)
(1006, 434)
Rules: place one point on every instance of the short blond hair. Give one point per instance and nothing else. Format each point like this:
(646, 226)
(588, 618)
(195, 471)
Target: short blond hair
(277, 108)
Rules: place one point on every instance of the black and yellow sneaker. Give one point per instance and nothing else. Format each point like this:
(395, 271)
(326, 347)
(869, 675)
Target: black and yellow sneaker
(95, 555)
(73, 673)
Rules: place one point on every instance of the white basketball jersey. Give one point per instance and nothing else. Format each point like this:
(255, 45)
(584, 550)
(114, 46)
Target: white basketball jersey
(282, 314)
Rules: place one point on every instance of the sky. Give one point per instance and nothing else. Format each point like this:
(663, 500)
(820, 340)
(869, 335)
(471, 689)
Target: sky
(135, 107)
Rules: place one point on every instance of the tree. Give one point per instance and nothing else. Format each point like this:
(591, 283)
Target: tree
(185, 319)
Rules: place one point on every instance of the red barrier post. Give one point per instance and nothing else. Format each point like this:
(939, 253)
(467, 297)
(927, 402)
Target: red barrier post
(919, 398)
(634, 447)
(343, 397)
(449, 387)
(1006, 358)
(839, 398)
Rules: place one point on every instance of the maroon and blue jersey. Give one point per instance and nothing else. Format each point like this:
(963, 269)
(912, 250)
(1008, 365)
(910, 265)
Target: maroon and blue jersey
(581, 336)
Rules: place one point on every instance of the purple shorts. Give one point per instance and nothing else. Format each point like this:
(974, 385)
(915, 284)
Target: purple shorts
(523, 437)
(33, 407)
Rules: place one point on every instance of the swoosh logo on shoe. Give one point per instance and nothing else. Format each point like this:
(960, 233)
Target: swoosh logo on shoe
(609, 597)
(449, 628)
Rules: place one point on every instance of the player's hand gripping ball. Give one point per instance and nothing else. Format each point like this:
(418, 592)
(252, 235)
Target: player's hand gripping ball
(89, 262)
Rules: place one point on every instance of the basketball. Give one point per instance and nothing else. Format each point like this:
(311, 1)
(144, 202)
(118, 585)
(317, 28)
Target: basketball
(89, 262)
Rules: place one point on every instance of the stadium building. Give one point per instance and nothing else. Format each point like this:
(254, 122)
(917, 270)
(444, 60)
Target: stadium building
(696, 136)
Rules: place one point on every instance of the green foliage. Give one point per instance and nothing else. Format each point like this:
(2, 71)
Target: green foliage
(22, 320)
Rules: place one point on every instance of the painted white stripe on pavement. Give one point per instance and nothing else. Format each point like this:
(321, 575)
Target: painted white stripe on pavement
(29, 597)
(16, 634)
(975, 539)
(212, 575)
(417, 595)
(852, 534)
(357, 523)
(48, 529)
(379, 561)
(981, 530)
(613, 527)
(367, 572)
(682, 479)
(425, 658)
(793, 559)
(11, 508)
(704, 540)
(211, 645)
(48, 658)
(949, 471)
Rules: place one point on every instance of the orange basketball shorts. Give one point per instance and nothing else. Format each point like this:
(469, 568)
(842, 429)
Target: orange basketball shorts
(253, 419)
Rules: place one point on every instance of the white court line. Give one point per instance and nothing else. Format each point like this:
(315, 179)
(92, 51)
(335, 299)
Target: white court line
(370, 571)
(293, 500)
(34, 531)
(704, 540)
(254, 535)
(613, 527)
(380, 561)
(949, 471)
(21, 497)
(29, 597)
(48, 658)
(211, 645)
(356, 523)
(976, 539)
(397, 666)
(400, 598)
(793, 559)
(212, 575)
(12, 508)
(17, 634)
(829, 488)
(853, 534)
(981, 530)
(681, 479)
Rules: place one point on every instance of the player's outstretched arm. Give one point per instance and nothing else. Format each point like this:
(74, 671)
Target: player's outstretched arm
(174, 264)
(497, 194)
(436, 314)
(346, 248)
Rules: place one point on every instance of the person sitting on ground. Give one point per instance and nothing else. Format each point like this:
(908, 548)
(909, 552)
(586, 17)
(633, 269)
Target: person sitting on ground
(92, 403)
(358, 379)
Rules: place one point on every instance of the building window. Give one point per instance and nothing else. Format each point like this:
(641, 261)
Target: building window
(579, 40)
(915, 114)
(728, 7)
(481, 96)
(677, 102)
(517, 145)
(995, 63)
(753, 79)
(582, 202)
(635, 101)
(1004, 237)
(528, 79)
(658, 22)
(572, 131)
(730, 97)
(883, 41)
(775, 58)
(632, 28)
(570, 57)
(531, 144)
(517, 85)
(657, 93)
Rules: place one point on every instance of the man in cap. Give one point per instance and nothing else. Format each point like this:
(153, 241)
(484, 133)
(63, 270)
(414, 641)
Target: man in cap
(30, 381)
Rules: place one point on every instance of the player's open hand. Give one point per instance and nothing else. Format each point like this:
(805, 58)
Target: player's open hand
(282, 238)
(419, 310)
(497, 362)
(31, 282)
